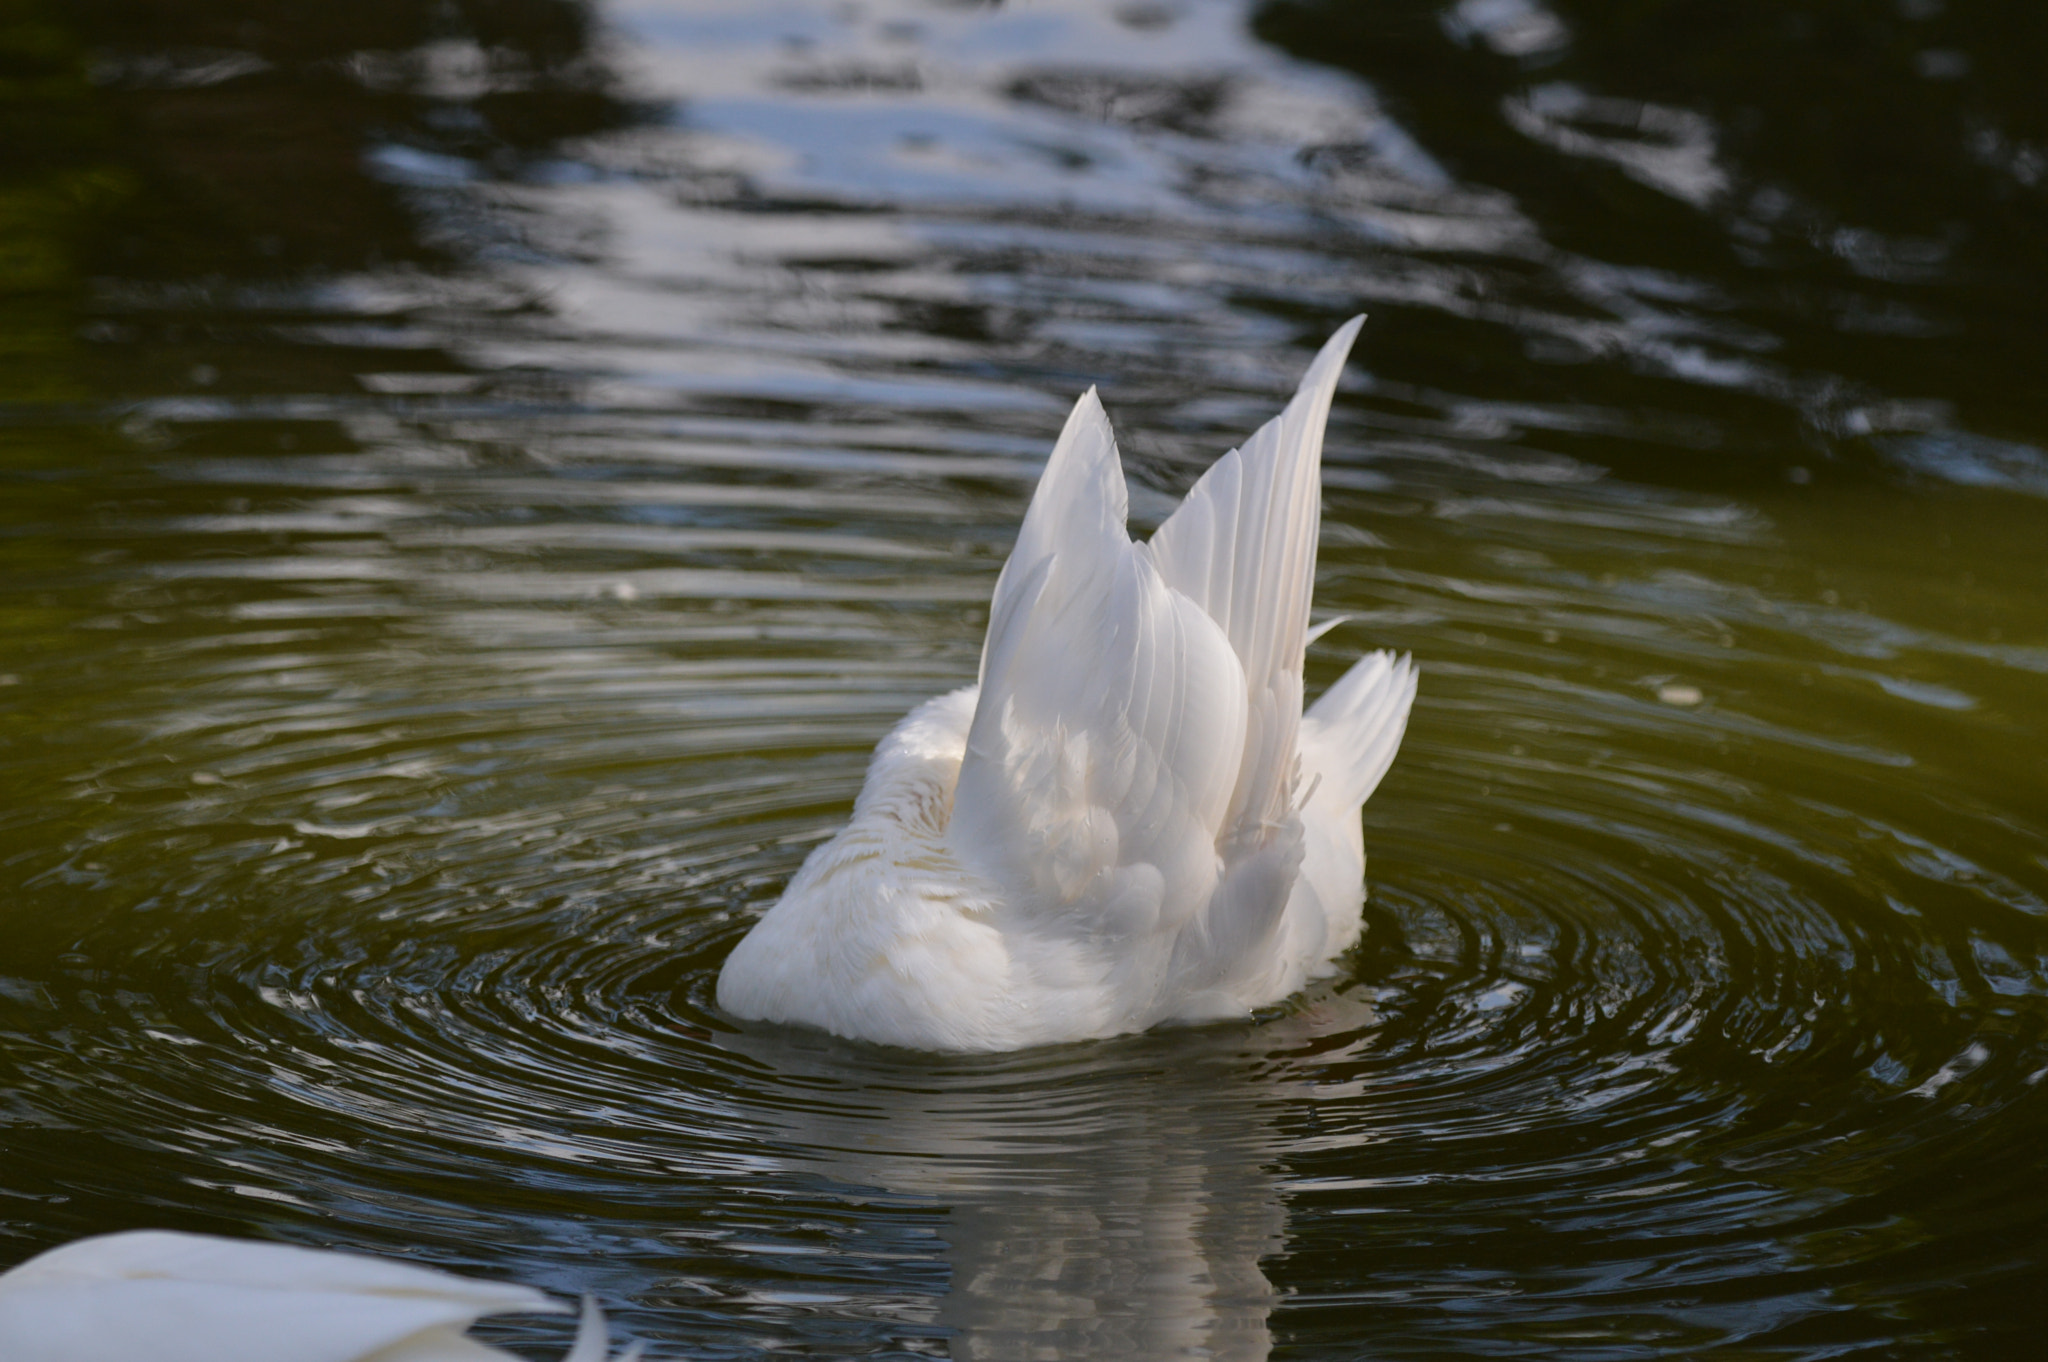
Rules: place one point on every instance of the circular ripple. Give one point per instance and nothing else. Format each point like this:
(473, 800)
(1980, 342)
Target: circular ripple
(1612, 1006)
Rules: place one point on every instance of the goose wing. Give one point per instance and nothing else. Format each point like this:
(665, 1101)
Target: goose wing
(1109, 725)
(1243, 548)
(1132, 764)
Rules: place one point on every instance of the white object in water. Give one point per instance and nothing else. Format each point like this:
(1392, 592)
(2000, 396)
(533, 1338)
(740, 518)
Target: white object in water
(1129, 820)
(164, 1296)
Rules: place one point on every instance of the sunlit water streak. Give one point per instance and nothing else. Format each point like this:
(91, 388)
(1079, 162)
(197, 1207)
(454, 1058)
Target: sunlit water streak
(405, 721)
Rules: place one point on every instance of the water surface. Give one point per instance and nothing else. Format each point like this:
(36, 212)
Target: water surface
(475, 485)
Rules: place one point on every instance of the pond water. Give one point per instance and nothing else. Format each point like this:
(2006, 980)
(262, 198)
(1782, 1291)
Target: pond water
(476, 481)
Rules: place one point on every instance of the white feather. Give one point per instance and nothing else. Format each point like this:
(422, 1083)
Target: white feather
(165, 1296)
(1128, 820)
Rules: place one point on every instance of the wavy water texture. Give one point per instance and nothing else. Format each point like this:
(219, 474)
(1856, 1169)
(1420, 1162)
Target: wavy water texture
(416, 675)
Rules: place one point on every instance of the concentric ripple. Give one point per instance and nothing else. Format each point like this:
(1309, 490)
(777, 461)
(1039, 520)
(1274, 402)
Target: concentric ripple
(396, 913)
(404, 711)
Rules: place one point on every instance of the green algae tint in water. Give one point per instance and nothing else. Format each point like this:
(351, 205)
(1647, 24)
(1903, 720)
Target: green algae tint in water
(474, 486)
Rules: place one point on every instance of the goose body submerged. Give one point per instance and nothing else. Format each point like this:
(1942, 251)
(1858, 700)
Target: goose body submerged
(165, 1296)
(1129, 820)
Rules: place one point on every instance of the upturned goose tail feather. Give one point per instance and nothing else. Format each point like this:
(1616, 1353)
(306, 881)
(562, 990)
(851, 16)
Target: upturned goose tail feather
(1129, 820)
(1355, 728)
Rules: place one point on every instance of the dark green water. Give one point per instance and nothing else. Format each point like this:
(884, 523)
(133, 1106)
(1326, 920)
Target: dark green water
(476, 481)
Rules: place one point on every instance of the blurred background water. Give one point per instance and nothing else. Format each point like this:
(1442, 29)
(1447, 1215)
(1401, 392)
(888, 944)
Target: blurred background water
(477, 478)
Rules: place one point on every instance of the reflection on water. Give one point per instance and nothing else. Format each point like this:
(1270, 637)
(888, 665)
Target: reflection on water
(1111, 1200)
(478, 480)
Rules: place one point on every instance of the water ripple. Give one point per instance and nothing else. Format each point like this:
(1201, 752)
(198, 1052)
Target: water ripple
(401, 730)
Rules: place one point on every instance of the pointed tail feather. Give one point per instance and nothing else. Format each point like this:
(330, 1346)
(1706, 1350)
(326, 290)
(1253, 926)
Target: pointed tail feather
(1243, 548)
(1350, 735)
(592, 1343)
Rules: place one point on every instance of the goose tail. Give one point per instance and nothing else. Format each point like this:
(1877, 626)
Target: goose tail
(1350, 735)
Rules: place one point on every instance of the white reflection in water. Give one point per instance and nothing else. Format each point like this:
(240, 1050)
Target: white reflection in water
(1102, 1201)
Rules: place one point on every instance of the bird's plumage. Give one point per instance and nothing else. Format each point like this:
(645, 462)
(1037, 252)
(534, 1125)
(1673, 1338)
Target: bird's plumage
(166, 1296)
(1128, 819)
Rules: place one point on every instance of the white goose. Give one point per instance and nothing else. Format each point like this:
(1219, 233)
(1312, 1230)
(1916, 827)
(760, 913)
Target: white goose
(1129, 820)
(164, 1296)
